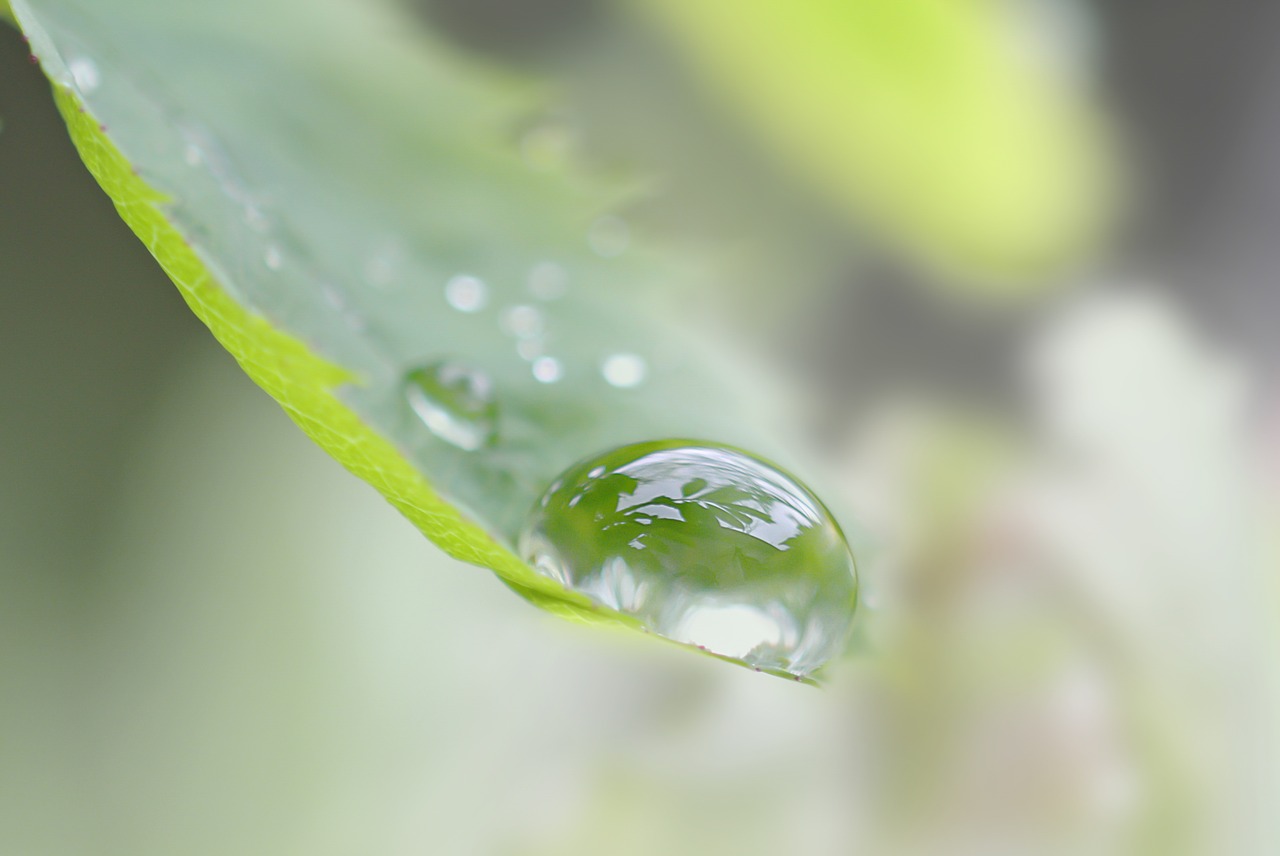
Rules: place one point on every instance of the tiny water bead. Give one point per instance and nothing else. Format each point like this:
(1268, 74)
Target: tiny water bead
(704, 544)
(455, 402)
(547, 370)
(624, 370)
(85, 74)
(466, 293)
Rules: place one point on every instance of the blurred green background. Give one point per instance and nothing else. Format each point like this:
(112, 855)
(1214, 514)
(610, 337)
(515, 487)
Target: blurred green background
(214, 640)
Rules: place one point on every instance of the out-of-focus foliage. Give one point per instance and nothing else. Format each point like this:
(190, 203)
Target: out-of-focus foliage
(1069, 606)
(934, 119)
(322, 231)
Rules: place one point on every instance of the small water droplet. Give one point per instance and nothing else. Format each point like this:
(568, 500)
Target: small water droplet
(624, 370)
(455, 402)
(466, 293)
(706, 545)
(84, 72)
(523, 322)
(548, 281)
(192, 155)
(547, 370)
(609, 236)
(272, 257)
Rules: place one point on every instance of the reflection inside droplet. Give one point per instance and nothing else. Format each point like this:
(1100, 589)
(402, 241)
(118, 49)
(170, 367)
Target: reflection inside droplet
(466, 293)
(455, 402)
(624, 370)
(85, 74)
(706, 545)
(730, 630)
(547, 370)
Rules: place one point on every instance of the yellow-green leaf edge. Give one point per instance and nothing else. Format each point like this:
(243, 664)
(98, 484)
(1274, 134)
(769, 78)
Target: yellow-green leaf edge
(304, 385)
(302, 382)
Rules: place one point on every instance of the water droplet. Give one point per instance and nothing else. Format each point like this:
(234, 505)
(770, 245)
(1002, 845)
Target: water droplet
(466, 293)
(455, 402)
(84, 72)
(624, 370)
(192, 155)
(609, 236)
(272, 257)
(706, 545)
(548, 281)
(523, 322)
(547, 370)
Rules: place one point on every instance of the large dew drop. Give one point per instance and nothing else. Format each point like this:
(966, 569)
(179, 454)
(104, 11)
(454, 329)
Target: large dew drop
(455, 402)
(706, 545)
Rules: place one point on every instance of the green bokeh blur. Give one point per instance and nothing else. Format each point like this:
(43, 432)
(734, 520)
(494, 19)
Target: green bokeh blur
(214, 640)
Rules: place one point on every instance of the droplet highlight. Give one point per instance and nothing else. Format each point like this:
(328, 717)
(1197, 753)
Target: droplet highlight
(85, 74)
(706, 545)
(455, 402)
(547, 370)
(624, 370)
(466, 293)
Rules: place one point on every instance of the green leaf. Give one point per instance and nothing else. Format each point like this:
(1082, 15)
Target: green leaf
(926, 117)
(312, 177)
